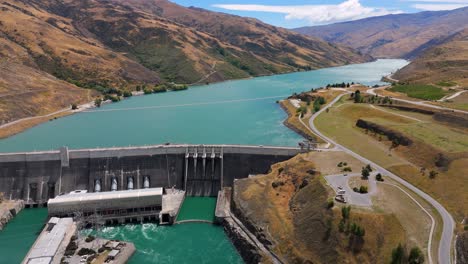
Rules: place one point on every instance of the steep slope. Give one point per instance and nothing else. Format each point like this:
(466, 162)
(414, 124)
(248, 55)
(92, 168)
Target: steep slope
(277, 46)
(394, 36)
(51, 43)
(447, 62)
(114, 44)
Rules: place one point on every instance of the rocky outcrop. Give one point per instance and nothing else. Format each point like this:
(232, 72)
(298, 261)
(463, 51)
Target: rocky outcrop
(246, 248)
(392, 135)
(8, 210)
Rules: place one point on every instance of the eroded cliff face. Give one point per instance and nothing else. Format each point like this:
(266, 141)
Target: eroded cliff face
(287, 209)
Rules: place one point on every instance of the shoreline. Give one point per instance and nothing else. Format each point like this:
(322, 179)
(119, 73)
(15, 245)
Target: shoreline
(20, 125)
(291, 126)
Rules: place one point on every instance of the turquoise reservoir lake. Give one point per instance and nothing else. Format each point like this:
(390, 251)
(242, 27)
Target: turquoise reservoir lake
(233, 112)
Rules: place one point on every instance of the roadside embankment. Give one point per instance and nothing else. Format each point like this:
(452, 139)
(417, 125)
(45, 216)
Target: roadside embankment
(292, 122)
(8, 210)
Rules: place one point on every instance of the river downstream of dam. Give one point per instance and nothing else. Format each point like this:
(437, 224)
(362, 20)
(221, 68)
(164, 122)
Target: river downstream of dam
(233, 112)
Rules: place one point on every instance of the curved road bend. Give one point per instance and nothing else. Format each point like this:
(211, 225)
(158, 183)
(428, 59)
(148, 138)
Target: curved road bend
(445, 245)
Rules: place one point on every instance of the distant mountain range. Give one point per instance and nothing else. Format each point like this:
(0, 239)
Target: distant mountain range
(102, 44)
(447, 61)
(434, 41)
(394, 36)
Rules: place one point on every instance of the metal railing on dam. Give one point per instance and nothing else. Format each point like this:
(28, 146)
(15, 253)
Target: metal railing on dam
(201, 170)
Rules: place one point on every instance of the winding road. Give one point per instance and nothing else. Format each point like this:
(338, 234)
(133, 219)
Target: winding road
(445, 245)
(420, 103)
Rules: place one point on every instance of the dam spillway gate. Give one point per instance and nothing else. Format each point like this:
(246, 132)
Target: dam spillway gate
(200, 170)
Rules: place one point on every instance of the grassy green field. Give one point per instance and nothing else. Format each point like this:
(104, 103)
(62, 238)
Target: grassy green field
(446, 83)
(420, 91)
(448, 187)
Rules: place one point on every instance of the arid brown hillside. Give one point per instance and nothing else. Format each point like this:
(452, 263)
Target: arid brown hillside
(103, 44)
(394, 36)
(447, 62)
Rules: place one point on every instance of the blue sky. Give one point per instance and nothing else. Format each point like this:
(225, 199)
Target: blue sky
(297, 13)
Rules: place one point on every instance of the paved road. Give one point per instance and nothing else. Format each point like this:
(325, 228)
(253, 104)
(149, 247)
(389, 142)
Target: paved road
(445, 245)
(420, 103)
(354, 198)
(451, 96)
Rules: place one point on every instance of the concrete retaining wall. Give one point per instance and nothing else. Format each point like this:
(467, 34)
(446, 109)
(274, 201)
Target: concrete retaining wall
(37, 176)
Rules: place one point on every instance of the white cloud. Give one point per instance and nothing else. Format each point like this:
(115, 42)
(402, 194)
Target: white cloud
(437, 7)
(442, 1)
(317, 14)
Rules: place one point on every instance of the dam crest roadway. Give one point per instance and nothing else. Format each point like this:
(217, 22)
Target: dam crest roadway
(200, 170)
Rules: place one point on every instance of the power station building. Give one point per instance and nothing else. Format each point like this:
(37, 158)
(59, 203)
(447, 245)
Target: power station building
(111, 207)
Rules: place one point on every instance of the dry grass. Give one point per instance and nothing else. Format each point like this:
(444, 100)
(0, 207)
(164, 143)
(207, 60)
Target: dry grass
(393, 200)
(293, 121)
(299, 225)
(23, 125)
(326, 162)
(430, 138)
(357, 181)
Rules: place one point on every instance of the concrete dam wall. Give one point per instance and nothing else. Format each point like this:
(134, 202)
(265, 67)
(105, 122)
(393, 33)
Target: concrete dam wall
(201, 170)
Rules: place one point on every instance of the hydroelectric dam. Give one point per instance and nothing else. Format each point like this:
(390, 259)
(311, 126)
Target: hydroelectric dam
(200, 170)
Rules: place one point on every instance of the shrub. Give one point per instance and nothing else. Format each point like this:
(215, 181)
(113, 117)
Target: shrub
(89, 238)
(347, 169)
(416, 256)
(147, 91)
(276, 184)
(433, 174)
(363, 189)
(74, 106)
(398, 255)
(280, 170)
(127, 94)
(379, 177)
(85, 251)
(345, 212)
(341, 226)
(330, 203)
(356, 189)
(160, 88)
(340, 164)
(98, 102)
(365, 173)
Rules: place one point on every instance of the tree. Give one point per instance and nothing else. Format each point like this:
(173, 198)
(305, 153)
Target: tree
(416, 256)
(365, 173)
(378, 177)
(74, 106)
(357, 96)
(368, 167)
(345, 211)
(98, 102)
(398, 255)
(127, 94)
